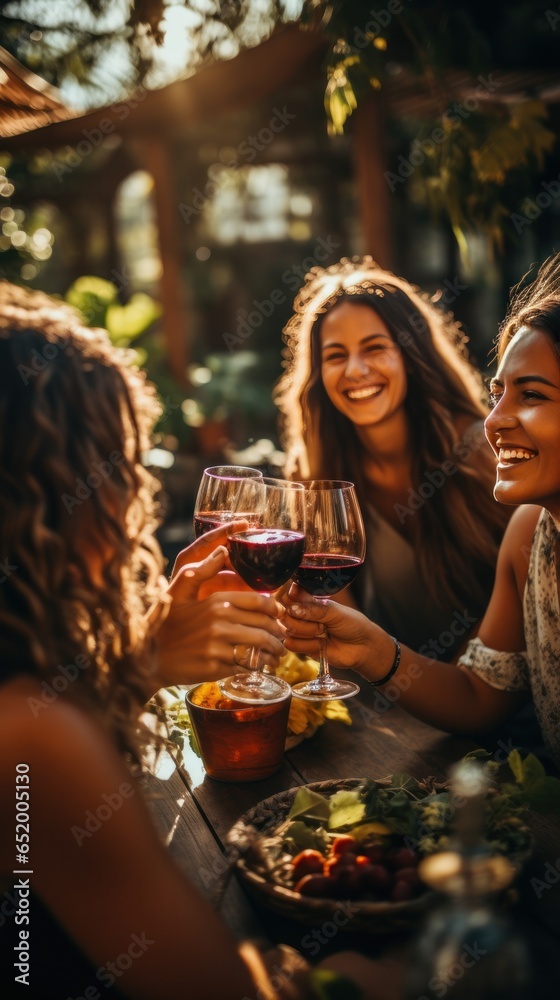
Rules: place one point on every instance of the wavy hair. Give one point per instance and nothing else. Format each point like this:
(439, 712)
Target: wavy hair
(77, 511)
(456, 534)
(535, 304)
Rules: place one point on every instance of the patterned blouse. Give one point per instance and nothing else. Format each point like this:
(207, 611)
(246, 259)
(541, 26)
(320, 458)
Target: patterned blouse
(538, 668)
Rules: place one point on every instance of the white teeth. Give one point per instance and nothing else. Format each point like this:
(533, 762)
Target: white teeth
(364, 393)
(506, 454)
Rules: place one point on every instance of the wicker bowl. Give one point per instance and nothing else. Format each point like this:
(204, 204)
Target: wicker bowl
(379, 917)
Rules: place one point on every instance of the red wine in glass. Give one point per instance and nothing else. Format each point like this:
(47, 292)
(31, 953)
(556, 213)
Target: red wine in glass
(226, 493)
(323, 575)
(334, 552)
(265, 558)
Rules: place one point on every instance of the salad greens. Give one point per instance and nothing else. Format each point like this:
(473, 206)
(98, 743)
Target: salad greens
(423, 811)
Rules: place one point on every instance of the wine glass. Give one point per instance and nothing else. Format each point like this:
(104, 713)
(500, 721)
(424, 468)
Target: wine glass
(226, 492)
(335, 548)
(265, 557)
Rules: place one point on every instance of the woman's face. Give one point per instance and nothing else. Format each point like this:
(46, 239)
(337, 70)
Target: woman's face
(524, 426)
(362, 368)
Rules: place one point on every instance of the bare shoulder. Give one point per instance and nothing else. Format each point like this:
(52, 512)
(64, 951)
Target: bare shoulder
(517, 541)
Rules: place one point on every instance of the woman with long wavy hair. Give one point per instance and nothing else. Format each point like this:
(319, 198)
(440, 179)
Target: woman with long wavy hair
(378, 390)
(514, 658)
(88, 631)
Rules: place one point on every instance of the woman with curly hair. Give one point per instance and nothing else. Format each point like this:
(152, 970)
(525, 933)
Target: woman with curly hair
(378, 390)
(515, 655)
(81, 598)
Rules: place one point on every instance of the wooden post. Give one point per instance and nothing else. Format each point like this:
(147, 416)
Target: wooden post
(156, 158)
(374, 195)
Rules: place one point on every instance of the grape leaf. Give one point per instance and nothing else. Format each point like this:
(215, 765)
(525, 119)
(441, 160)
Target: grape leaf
(346, 809)
(310, 804)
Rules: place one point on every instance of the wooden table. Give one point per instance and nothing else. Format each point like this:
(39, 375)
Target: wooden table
(194, 814)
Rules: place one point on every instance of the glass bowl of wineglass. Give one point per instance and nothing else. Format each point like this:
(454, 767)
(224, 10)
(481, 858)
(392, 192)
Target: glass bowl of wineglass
(265, 557)
(226, 492)
(335, 548)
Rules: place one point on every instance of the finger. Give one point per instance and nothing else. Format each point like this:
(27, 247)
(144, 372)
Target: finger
(309, 647)
(314, 611)
(224, 581)
(202, 547)
(185, 585)
(301, 629)
(250, 601)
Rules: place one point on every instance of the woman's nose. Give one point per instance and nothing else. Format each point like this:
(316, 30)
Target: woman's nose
(502, 416)
(356, 365)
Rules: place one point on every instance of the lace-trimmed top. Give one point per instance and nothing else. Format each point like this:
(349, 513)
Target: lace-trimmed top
(538, 668)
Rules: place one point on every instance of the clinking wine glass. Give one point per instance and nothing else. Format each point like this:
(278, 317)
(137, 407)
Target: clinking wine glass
(335, 549)
(226, 492)
(266, 556)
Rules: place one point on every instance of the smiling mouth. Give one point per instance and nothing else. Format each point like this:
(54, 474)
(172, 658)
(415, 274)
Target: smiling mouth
(366, 393)
(514, 456)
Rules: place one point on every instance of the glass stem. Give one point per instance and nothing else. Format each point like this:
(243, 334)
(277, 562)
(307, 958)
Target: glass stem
(255, 664)
(324, 674)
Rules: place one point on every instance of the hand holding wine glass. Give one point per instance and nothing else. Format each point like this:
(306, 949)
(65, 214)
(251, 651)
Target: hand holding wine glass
(334, 552)
(266, 557)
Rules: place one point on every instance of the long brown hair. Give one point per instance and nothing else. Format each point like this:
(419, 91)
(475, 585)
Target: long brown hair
(457, 533)
(75, 417)
(535, 304)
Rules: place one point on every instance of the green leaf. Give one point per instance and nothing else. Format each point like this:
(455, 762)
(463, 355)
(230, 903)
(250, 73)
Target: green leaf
(300, 837)
(329, 985)
(544, 795)
(310, 804)
(515, 764)
(346, 809)
(533, 771)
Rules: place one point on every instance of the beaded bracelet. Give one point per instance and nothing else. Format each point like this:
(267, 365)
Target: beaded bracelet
(394, 667)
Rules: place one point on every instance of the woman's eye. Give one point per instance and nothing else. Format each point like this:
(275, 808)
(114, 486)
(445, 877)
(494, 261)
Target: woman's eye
(494, 398)
(532, 394)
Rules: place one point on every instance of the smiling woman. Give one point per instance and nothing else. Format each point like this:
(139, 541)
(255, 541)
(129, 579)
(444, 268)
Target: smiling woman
(524, 426)
(516, 653)
(379, 391)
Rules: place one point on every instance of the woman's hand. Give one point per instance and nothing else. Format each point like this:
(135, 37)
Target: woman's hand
(204, 546)
(199, 638)
(353, 640)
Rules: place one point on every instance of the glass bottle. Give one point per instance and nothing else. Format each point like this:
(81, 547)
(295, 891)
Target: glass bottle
(469, 944)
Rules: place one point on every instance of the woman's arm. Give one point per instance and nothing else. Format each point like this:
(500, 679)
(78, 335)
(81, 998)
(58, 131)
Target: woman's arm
(447, 697)
(115, 890)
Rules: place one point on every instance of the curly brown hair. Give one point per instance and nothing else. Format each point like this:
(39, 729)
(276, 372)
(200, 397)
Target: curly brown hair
(458, 533)
(77, 511)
